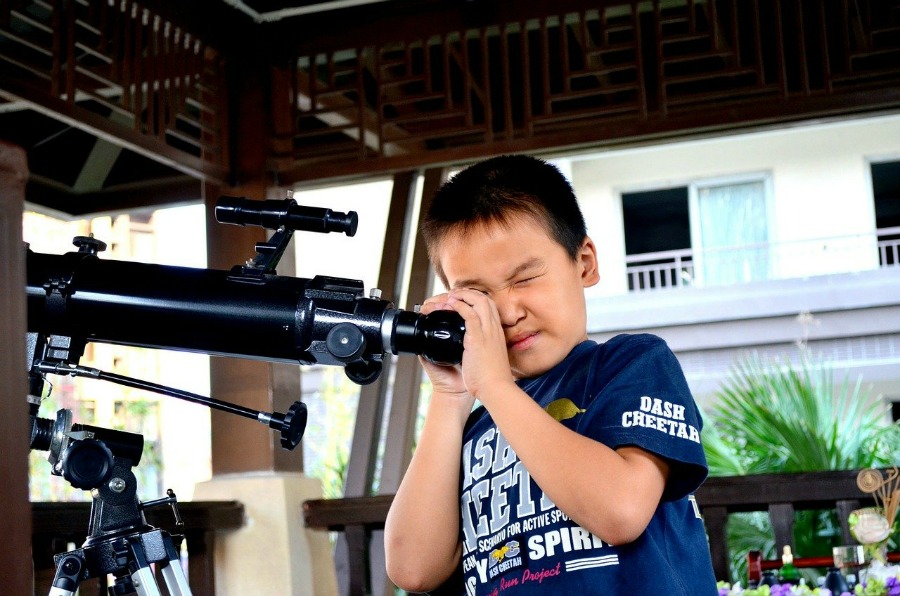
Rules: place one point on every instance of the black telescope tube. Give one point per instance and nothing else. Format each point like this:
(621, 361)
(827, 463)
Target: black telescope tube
(223, 313)
(287, 213)
(199, 310)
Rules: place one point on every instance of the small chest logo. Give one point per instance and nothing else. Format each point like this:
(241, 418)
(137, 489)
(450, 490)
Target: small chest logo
(504, 558)
(563, 409)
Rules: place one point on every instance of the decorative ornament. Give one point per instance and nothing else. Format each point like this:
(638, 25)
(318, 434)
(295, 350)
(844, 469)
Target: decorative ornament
(563, 409)
(885, 491)
(872, 526)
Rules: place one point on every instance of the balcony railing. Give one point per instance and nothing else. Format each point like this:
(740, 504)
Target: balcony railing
(742, 264)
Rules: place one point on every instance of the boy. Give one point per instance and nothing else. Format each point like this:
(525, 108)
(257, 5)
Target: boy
(578, 464)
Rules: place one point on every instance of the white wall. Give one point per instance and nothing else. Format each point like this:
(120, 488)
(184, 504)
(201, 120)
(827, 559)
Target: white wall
(821, 183)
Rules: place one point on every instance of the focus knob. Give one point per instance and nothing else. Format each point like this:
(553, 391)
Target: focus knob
(87, 464)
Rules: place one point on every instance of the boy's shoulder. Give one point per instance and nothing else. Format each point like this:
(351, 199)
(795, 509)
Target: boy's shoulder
(591, 360)
(634, 341)
(625, 346)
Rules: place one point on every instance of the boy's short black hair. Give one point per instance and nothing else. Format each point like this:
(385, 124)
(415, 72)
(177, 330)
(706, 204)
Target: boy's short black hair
(497, 190)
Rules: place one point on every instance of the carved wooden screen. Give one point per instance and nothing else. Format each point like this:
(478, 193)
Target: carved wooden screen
(616, 71)
(120, 70)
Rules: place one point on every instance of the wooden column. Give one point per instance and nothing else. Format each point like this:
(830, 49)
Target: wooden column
(400, 436)
(405, 398)
(352, 546)
(15, 523)
(239, 444)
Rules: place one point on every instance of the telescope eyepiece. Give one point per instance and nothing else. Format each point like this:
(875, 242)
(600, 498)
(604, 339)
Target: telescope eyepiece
(284, 213)
(437, 336)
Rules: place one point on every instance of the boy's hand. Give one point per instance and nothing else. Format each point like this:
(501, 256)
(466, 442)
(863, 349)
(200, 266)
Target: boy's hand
(485, 360)
(445, 380)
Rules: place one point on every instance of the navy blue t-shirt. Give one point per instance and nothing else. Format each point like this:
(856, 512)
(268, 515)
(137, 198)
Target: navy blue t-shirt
(628, 391)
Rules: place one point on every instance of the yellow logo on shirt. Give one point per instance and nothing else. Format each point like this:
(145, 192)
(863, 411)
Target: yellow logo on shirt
(563, 409)
(508, 550)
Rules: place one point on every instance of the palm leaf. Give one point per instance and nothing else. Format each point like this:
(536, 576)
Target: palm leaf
(781, 419)
(771, 416)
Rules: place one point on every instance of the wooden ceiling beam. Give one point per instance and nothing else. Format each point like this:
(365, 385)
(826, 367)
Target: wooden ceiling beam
(407, 20)
(616, 133)
(101, 127)
(48, 196)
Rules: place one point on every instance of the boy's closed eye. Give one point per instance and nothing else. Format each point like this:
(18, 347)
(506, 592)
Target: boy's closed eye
(474, 289)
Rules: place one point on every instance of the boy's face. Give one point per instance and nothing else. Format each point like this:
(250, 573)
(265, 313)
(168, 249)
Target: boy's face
(537, 287)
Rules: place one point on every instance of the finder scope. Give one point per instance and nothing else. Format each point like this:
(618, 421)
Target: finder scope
(284, 213)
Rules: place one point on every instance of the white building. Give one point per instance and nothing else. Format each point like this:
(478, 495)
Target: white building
(754, 241)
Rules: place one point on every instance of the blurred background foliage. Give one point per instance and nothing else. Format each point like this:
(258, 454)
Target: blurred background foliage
(772, 416)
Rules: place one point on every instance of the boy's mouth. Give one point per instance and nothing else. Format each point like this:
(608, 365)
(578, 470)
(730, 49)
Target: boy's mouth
(521, 342)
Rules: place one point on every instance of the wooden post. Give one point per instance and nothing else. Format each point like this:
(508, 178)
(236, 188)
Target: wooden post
(15, 523)
(351, 551)
(238, 445)
(272, 553)
(405, 398)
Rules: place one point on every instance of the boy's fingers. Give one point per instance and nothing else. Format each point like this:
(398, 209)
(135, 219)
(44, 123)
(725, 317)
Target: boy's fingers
(434, 303)
(474, 306)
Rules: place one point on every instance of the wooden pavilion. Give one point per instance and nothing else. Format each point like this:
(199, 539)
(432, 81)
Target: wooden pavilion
(111, 105)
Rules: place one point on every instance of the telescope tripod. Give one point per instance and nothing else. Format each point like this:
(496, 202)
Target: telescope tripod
(121, 543)
(129, 558)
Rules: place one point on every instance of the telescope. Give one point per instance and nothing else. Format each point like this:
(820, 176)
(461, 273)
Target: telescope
(248, 311)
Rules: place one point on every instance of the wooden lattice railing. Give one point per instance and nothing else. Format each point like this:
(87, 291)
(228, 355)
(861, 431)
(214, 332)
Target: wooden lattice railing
(589, 73)
(781, 495)
(120, 70)
(57, 526)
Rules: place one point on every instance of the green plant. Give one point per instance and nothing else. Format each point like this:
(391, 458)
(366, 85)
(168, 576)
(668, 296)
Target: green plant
(771, 416)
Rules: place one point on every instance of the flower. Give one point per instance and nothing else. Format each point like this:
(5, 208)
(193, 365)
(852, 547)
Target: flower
(869, 525)
(880, 584)
(726, 589)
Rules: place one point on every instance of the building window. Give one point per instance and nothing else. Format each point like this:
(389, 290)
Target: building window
(657, 238)
(729, 231)
(710, 232)
(886, 194)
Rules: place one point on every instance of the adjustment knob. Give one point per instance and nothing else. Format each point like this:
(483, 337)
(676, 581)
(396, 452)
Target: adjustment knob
(89, 244)
(345, 342)
(293, 425)
(87, 464)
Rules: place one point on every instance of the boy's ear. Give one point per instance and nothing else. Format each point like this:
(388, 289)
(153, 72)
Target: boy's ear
(587, 258)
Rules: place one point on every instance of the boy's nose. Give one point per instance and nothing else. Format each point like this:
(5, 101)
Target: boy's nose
(509, 308)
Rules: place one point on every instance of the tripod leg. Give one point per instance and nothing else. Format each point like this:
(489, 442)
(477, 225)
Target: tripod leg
(142, 578)
(172, 571)
(156, 547)
(69, 570)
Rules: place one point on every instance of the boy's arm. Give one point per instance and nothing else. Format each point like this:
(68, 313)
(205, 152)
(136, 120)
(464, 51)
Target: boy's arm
(421, 532)
(611, 493)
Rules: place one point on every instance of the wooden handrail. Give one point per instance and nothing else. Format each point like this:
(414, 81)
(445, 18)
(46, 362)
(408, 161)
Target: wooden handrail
(778, 494)
(55, 526)
(337, 514)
